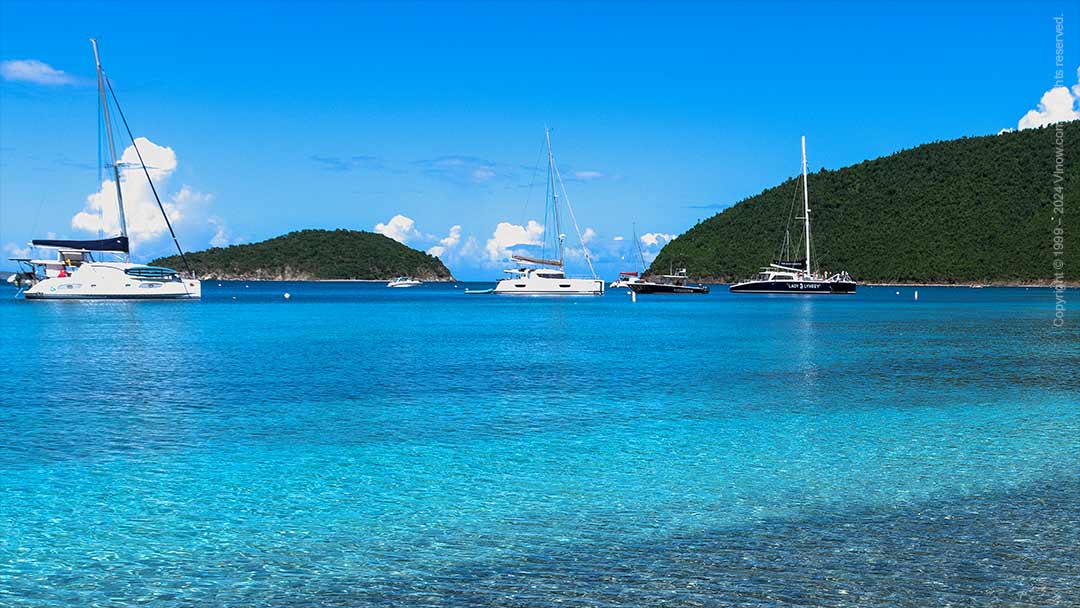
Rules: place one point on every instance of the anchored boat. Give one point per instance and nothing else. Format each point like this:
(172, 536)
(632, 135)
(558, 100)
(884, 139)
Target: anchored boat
(404, 282)
(796, 276)
(626, 278)
(675, 282)
(102, 268)
(539, 276)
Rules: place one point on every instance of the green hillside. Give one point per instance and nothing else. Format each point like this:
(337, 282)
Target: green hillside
(972, 209)
(309, 255)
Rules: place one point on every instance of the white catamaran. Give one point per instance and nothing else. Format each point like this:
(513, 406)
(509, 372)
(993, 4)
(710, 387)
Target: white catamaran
(797, 276)
(102, 269)
(544, 276)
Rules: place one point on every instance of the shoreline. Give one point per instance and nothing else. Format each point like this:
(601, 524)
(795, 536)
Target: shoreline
(1013, 284)
(1010, 284)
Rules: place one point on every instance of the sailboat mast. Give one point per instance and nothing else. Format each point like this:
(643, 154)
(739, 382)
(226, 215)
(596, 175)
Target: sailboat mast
(112, 146)
(806, 204)
(641, 255)
(554, 192)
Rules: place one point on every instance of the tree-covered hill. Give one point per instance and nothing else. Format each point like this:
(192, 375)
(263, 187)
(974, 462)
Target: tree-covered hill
(309, 255)
(968, 210)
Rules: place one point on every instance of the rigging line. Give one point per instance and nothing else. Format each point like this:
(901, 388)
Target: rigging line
(577, 229)
(785, 248)
(147, 173)
(532, 182)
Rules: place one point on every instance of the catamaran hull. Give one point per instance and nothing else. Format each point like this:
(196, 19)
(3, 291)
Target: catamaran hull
(796, 287)
(120, 281)
(42, 296)
(536, 286)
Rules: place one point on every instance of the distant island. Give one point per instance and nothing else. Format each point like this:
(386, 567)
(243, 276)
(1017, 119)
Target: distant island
(971, 210)
(314, 255)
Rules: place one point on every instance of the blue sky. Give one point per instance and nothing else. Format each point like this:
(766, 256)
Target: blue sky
(270, 117)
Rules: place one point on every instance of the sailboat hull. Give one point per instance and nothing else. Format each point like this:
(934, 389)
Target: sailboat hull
(533, 285)
(796, 287)
(120, 281)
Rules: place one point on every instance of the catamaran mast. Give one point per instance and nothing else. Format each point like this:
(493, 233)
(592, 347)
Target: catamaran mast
(554, 192)
(806, 204)
(112, 146)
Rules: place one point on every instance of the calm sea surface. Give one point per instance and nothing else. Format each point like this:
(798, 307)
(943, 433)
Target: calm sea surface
(357, 445)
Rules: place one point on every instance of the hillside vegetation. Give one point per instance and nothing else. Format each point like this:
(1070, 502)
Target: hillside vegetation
(966, 210)
(309, 255)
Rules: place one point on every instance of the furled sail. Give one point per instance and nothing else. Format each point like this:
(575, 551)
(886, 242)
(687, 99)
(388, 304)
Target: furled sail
(792, 263)
(530, 260)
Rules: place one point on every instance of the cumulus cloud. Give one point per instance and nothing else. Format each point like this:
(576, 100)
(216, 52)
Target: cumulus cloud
(653, 239)
(399, 228)
(36, 72)
(618, 238)
(221, 236)
(144, 221)
(588, 235)
(1059, 104)
(449, 242)
(507, 235)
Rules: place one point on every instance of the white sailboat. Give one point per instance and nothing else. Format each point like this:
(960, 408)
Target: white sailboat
(102, 269)
(539, 276)
(627, 278)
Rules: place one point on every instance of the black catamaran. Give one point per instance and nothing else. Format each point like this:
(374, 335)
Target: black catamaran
(797, 276)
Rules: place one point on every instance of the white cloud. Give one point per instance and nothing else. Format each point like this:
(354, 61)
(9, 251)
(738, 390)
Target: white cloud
(507, 235)
(222, 236)
(652, 239)
(16, 251)
(1059, 104)
(588, 175)
(453, 238)
(618, 238)
(37, 72)
(588, 235)
(144, 221)
(399, 228)
(449, 242)
(482, 174)
(461, 169)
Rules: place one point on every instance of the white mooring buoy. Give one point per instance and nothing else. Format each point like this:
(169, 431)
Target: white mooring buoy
(916, 294)
(287, 296)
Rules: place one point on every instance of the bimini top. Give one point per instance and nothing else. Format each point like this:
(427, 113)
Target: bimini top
(116, 243)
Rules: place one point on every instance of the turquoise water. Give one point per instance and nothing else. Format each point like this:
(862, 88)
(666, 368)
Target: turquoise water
(356, 445)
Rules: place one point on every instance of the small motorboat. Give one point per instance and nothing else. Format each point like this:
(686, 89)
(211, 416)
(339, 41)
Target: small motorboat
(404, 282)
(676, 282)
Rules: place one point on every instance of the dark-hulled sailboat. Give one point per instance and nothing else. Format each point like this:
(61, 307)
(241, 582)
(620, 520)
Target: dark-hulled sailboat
(797, 276)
